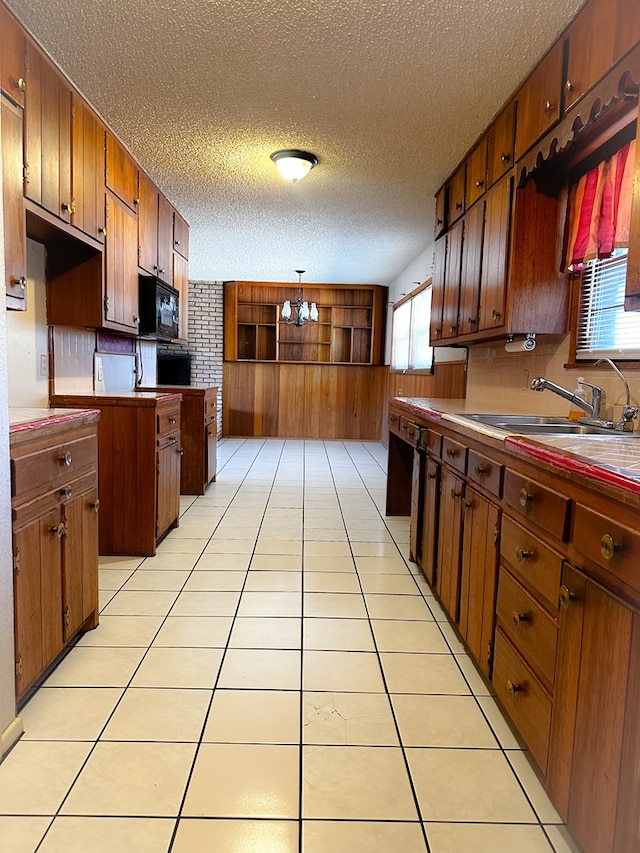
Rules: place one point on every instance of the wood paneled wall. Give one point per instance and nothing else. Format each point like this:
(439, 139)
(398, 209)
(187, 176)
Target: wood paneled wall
(323, 400)
(303, 400)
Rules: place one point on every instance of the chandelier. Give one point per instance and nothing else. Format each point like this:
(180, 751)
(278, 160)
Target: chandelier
(299, 313)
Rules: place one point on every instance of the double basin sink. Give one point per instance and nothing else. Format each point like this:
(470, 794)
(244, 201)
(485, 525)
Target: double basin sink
(544, 425)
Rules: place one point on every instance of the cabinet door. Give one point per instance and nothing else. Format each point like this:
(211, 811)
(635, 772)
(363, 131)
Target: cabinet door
(168, 490)
(12, 58)
(441, 212)
(429, 549)
(453, 266)
(37, 595)
(477, 172)
(591, 691)
(15, 241)
(80, 561)
(180, 235)
(500, 139)
(456, 194)
(495, 256)
(437, 288)
(181, 284)
(591, 39)
(211, 439)
(627, 31)
(121, 268)
(450, 542)
(479, 576)
(87, 169)
(47, 136)
(539, 100)
(121, 172)
(417, 506)
(471, 271)
(147, 224)
(165, 240)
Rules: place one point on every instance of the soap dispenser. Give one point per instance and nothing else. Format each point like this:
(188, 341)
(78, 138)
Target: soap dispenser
(576, 412)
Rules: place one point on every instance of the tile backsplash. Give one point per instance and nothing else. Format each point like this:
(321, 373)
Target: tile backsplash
(73, 354)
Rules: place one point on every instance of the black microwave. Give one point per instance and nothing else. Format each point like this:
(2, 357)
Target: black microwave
(158, 308)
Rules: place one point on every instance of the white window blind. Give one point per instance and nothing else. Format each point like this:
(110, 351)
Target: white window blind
(605, 329)
(410, 349)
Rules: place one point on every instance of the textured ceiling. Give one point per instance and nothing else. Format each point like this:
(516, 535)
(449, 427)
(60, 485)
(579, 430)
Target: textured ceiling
(389, 94)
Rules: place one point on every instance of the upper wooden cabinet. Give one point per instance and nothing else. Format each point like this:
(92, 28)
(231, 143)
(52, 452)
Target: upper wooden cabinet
(47, 154)
(147, 224)
(539, 100)
(453, 267)
(87, 169)
(122, 172)
(437, 289)
(121, 268)
(471, 270)
(441, 212)
(15, 241)
(181, 284)
(477, 172)
(164, 269)
(180, 235)
(456, 195)
(500, 141)
(13, 71)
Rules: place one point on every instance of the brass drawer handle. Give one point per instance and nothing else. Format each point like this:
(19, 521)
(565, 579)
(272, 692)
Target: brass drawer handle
(66, 493)
(525, 497)
(495, 315)
(522, 555)
(513, 687)
(479, 184)
(549, 105)
(451, 452)
(21, 281)
(95, 505)
(566, 596)
(172, 419)
(455, 495)
(481, 470)
(21, 84)
(505, 157)
(568, 86)
(518, 618)
(58, 530)
(65, 458)
(608, 546)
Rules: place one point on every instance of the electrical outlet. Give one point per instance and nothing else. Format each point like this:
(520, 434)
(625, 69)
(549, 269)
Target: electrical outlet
(44, 366)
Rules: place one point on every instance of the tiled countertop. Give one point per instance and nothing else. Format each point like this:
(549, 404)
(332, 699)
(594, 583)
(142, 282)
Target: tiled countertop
(21, 419)
(612, 459)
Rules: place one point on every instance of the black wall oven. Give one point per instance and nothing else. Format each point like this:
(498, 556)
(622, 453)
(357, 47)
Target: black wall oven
(159, 308)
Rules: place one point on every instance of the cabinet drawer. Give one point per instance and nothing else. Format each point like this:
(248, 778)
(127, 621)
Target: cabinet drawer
(168, 420)
(523, 697)
(393, 421)
(485, 472)
(409, 431)
(210, 408)
(433, 442)
(530, 628)
(539, 566)
(454, 454)
(539, 504)
(608, 544)
(43, 469)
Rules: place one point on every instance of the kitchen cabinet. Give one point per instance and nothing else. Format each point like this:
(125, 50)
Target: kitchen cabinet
(456, 194)
(164, 269)
(451, 284)
(590, 38)
(12, 58)
(139, 453)
(147, 224)
(120, 266)
(449, 541)
(55, 540)
(441, 212)
(181, 284)
(430, 513)
(87, 169)
(539, 100)
(477, 172)
(15, 238)
(437, 287)
(495, 255)
(471, 270)
(47, 136)
(121, 176)
(595, 749)
(181, 235)
(500, 144)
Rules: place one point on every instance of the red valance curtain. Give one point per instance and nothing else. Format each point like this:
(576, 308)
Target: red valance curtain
(599, 209)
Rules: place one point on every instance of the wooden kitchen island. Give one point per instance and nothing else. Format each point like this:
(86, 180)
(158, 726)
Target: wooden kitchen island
(139, 460)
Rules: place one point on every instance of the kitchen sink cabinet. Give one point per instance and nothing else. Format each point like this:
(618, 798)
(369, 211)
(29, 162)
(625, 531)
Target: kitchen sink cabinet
(55, 541)
(139, 453)
(12, 58)
(47, 136)
(87, 169)
(15, 238)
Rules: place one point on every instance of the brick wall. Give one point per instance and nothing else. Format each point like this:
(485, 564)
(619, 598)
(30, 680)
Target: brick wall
(205, 345)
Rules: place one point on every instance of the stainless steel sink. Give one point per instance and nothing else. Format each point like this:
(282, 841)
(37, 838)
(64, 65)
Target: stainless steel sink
(542, 425)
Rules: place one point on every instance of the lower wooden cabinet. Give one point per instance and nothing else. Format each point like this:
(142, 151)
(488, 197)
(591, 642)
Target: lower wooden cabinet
(450, 541)
(55, 540)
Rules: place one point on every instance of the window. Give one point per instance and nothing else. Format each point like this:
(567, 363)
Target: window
(605, 329)
(410, 349)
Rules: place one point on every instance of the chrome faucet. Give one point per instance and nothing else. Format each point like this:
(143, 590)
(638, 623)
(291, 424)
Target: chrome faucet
(629, 412)
(592, 409)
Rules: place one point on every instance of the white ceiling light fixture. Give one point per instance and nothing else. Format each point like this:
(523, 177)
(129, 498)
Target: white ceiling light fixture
(294, 165)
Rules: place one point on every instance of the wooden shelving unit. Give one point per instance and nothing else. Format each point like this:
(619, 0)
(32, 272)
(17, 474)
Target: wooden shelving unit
(349, 329)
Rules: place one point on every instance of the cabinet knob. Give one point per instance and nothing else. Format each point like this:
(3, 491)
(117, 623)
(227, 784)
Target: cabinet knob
(58, 530)
(505, 157)
(521, 555)
(173, 419)
(177, 242)
(95, 505)
(65, 458)
(479, 184)
(568, 87)
(180, 450)
(518, 617)
(549, 106)
(481, 470)
(608, 546)
(472, 321)
(20, 282)
(136, 319)
(495, 315)
(566, 596)
(136, 201)
(102, 231)
(439, 222)
(67, 493)
(455, 495)
(160, 269)
(525, 497)
(458, 205)
(68, 207)
(451, 452)
(513, 687)
(21, 84)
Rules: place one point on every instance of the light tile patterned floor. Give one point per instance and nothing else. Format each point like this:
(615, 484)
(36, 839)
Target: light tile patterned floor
(278, 679)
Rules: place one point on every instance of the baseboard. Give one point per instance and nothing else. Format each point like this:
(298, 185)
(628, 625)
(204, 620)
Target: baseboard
(10, 736)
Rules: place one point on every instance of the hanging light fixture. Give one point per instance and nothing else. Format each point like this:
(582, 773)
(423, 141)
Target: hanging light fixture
(300, 313)
(293, 164)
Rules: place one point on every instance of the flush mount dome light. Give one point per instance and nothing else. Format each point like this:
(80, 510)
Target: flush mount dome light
(293, 164)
